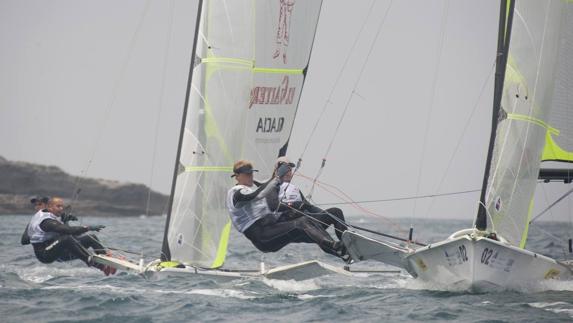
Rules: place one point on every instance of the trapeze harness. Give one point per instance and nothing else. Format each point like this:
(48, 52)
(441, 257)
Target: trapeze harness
(253, 211)
(55, 241)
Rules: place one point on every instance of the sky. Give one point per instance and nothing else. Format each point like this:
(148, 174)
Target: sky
(97, 88)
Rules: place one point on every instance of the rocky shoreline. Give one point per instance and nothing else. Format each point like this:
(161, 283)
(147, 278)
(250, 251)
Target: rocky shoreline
(97, 197)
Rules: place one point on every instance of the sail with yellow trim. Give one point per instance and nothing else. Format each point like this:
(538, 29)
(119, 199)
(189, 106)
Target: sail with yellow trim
(527, 97)
(248, 68)
(559, 143)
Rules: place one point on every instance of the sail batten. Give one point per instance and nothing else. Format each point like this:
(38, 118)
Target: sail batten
(247, 79)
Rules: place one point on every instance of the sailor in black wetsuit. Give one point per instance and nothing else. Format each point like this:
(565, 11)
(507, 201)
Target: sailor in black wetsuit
(55, 241)
(253, 210)
(39, 204)
(294, 204)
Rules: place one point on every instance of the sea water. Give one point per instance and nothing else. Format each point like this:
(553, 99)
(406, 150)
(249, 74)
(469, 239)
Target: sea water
(72, 292)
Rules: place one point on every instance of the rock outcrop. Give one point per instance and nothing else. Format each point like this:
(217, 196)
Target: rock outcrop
(97, 197)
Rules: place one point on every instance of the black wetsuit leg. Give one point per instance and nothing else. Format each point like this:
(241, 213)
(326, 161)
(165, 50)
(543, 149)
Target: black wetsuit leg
(332, 216)
(91, 241)
(64, 248)
(271, 236)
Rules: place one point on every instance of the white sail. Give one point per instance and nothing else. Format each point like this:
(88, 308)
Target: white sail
(526, 102)
(559, 143)
(250, 63)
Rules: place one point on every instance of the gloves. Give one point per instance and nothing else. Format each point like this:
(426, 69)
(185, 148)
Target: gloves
(67, 217)
(95, 227)
(283, 169)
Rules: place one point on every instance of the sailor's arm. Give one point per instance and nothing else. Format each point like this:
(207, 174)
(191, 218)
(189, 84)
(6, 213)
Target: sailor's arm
(50, 225)
(240, 197)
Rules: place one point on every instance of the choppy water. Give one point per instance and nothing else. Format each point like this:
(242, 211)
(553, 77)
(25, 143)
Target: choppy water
(64, 292)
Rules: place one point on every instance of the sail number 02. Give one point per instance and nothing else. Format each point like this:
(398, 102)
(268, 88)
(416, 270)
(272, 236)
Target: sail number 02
(486, 255)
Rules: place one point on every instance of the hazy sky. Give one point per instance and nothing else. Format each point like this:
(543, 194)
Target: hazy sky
(84, 78)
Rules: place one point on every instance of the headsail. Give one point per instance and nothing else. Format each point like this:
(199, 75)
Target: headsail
(523, 118)
(247, 78)
(559, 143)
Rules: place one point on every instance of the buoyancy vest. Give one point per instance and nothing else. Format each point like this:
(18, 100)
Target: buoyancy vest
(289, 193)
(36, 234)
(245, 213)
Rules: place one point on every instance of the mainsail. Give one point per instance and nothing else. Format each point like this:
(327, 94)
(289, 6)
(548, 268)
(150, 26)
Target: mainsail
(249, 64)
(527, 97)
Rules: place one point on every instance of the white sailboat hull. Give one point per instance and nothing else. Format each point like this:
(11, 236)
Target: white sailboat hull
(481, 262)
(465, 260)
(298, 272)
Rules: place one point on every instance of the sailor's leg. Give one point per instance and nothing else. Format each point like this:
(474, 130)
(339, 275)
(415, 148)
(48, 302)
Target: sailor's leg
(338, 221)
(64, 248)
(332, 216)
(273, 237)
(317, 234)
(91, 241)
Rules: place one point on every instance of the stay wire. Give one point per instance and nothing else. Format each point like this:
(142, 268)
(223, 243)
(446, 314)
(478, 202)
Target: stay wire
(161, 96)
(561, 198)
(338, 77)
(404, 198)
(347, 105)
(464, 132)
(79, 179)
(432, 101)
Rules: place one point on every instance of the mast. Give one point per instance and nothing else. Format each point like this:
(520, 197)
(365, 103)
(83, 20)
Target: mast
(165, 252)
(505, 23)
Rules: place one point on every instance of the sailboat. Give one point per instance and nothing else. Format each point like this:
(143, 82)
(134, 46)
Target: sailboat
(533, 76)
(248, 66)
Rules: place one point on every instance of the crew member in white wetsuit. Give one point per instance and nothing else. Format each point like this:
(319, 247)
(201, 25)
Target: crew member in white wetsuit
(253, 210)
(294, 204)
(53, 240)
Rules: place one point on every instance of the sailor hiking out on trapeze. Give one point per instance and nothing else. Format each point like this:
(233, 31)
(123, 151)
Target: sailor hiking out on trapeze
(253, 208)
(54, 240)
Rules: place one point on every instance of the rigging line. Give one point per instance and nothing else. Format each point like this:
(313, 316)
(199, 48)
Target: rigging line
(382, 23)
(403, 198)
(338, 77)
(347, 198)
(549, 234)
(120, 76)
(552, 205)
(432, 101)
(350, 225)
(161, 96)
(464, 132)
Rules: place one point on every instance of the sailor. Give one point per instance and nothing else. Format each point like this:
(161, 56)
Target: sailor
(253, 208)
(55, 241)
(39, 203)
(294, 204)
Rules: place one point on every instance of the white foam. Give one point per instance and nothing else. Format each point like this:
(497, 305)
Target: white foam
(40, 274)
(308, 296)
(292, 285)
(545, 304)
(225, 293)
(554, 307)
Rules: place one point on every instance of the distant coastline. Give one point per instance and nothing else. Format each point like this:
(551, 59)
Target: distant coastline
(97, 197)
